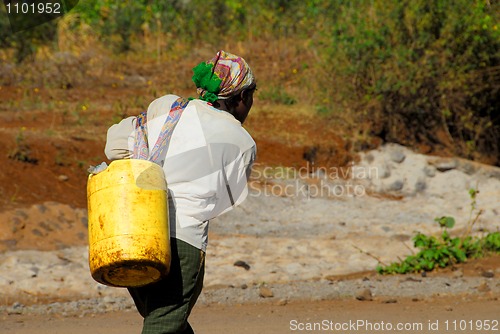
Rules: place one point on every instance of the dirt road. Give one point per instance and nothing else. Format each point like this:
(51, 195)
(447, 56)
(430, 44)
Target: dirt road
(437, 315)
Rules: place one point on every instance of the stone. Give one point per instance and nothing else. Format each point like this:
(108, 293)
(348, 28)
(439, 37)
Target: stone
(396, 185)
(282, 302)
(468, 168)
(134, 80)
(420, 185)
(364, 295)
(242, 264)
(369, 158)
(383, 171)
(430, 171)
(265, 292)
(41, 207)
(444, 165)
(16, 308)
(488, 274)
(397, 156)
(483, 287)
(390, 301)
(458, 273)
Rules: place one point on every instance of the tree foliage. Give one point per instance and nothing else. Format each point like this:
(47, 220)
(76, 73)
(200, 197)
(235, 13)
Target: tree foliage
(427, 72)
(413, 71)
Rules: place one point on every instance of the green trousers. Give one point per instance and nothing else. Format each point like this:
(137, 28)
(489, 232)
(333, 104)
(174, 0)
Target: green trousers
(166, 305)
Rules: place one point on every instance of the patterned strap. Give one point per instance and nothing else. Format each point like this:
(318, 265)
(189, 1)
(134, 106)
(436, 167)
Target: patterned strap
(159, 151)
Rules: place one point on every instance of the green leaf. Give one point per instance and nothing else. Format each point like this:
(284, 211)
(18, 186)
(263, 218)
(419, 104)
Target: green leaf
(455, 242)
(445, 221)
(422, 241)
(459, 255)
(429, 254)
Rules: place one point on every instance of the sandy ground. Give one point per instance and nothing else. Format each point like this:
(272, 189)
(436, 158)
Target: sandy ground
(440, 315)
(305, 249)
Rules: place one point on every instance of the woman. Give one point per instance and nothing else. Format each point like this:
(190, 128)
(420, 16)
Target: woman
(206, 156)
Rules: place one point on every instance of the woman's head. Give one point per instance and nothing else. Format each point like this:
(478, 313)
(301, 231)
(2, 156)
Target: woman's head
(226, 81)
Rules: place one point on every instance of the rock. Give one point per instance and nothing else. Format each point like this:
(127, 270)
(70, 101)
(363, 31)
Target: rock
(85, 221)
(369, 158)
(34, 271)
(468, 168)
(390, 301)
(63, 178)
(458, 273)
(265, 292)
(397, 156)
(16, 308)
(386, 228)
(22, 214)
(383, 171)
(493, 173)
(332, 278)
(396, 185)
(488, 274)
(282, 302)
(134, 80)
(41, 207)
(242, 264)
(364, 295)
(411, 279)
(9, 243)
(483, 287)
(430, 171)
(444, 165)
(420, 185)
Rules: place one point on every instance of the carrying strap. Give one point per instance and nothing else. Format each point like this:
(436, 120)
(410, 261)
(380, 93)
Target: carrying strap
(159, 151)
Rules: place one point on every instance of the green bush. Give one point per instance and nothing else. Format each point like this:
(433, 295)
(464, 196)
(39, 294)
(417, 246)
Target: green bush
(440, 252)
(413, 71)
(423, 72)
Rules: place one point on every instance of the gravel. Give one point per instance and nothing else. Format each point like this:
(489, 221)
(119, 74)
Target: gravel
(285, 248)
(381, 289)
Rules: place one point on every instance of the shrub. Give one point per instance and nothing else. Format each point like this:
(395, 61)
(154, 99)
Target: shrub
(413, 71)
(423, 72)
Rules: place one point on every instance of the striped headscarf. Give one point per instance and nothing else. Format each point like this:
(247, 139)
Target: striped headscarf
(222, 76)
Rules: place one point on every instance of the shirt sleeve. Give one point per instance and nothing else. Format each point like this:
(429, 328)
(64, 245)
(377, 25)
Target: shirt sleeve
(236, 175)
(120, 140)
(249, 159)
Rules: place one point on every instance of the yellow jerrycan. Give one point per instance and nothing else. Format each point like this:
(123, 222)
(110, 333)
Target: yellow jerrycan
(129, 243)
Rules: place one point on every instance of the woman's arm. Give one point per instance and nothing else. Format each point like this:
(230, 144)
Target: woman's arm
(120, 139)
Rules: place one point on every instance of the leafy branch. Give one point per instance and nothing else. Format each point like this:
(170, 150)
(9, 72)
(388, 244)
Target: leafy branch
(439, 252)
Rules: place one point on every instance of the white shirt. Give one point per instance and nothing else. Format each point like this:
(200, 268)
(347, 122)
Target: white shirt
(206, 166)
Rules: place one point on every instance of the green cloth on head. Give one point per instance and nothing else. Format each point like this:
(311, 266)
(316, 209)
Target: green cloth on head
(222, 76)
(204, 77)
